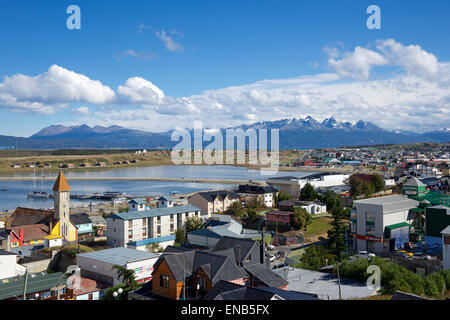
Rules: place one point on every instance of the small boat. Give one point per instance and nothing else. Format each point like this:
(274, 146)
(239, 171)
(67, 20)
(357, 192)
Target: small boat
(37, 194)
(4, 189)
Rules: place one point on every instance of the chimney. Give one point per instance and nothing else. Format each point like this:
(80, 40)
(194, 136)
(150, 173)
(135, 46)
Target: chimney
(21, 236)
(263, 248)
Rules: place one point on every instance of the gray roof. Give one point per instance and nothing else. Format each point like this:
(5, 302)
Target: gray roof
(221, 194)
(413, 181)
(79, 218)
(13, 287)
(152, 212)
(265, 275)
(324, 285)
(391, 203)
(119, 256)
(446, 230)
(216, 266)
(228, 242)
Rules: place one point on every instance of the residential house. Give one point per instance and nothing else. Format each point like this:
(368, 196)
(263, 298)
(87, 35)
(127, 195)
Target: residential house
(98, 265)
(312, 207)
(85, 288)
(140, 227)
(85, 165)
(279, 218)
(262, 194)
(83, 223)
(100, 164)
(213, 201)
(382, 224)
(217, 227)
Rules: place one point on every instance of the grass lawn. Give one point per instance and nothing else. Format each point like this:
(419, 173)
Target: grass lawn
(318, 226)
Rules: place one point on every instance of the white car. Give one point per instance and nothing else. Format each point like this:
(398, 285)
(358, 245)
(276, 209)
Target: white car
(272, 258)
(271, 247)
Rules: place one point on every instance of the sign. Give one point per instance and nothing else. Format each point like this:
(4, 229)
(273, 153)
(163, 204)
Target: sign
(367, 238)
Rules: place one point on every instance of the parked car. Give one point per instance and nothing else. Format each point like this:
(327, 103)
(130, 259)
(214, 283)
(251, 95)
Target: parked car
(271, 247)
(272, 258)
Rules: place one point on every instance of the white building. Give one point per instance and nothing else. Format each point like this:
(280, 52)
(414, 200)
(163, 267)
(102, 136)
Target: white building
(446, 248)
(264, 194)
(9, 266)
(140, 226)
(292, 185)
(381, 224)
(98, 265)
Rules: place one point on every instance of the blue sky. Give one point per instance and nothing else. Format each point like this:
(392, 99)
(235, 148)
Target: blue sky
(224, 48)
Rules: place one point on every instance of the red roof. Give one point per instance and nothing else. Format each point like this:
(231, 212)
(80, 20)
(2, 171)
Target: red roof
(32, 232)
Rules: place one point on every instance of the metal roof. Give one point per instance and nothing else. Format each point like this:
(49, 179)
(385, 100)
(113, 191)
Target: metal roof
(152, 212)
(151, 240)
(36, 282)
(119, 256)
(391, 203)
(446, 230)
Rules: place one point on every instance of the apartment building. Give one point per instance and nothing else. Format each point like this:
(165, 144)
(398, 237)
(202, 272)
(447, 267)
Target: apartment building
(382, 224)
(141, 226)
(213, 201)
(263, 194)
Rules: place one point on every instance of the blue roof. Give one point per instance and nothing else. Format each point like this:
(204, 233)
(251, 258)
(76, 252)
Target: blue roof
(138, 202)
(152, 212)
(167, 198)
(151, 240)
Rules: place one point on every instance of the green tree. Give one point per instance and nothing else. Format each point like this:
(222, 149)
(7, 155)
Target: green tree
(378, 182)
(337, 232)
(300, 218)
(252, 215)
(283, 196)
(194, 223)
(316, 257)
(307, 193)
(330, 200)
(154, 247)
(236, 209)
(179, 237)
(128, 277)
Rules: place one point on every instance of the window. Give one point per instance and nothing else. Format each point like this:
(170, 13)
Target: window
(171, 218)
(202, 282)
(158, 219)
(130, 223)
(130, 234)
(370, 217)
(171, 227)
(370, 230)
(164, 281)
(144, 221)
(446, 239)
(186, 214)
(158, 229)
(353, 227)
(144, 232)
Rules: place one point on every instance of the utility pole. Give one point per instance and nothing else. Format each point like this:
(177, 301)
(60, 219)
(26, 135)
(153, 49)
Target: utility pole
(339, 280)
(25, 285)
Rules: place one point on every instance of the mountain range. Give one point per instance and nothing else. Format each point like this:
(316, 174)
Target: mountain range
(294, 133)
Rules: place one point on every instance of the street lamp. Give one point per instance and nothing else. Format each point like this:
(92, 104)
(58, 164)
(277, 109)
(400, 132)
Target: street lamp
(117, 293)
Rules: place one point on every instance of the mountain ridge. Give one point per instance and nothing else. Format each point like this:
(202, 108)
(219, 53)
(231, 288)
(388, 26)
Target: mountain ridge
(294, 133)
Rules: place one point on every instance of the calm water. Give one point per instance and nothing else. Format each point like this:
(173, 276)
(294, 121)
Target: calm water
(17, 190)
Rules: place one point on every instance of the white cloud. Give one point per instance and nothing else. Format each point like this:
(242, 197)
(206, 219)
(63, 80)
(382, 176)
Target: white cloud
(411, 58)
(82, 110)
(356, 64)
(140, 55)
(168, 42)
(139, 90)
(45, 93)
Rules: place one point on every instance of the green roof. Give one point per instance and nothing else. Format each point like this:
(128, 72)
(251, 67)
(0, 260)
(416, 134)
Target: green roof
(12, 287)
(397, 225)
(435, 198)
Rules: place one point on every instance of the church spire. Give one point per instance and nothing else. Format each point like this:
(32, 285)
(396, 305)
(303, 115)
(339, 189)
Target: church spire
(61, 183)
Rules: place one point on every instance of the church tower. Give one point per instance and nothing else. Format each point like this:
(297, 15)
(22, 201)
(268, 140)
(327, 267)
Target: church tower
(61, 192)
